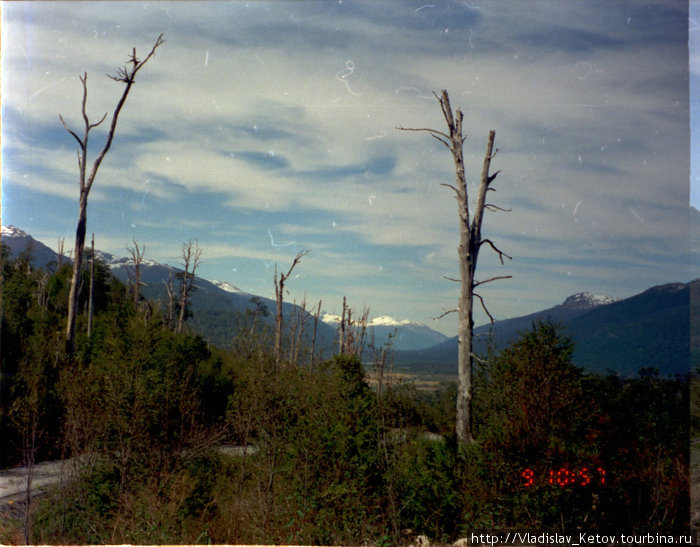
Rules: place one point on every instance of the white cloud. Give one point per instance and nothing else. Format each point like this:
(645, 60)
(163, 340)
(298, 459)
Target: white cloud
(270, 116)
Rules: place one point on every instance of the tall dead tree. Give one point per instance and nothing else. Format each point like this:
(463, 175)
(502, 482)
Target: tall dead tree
(135, 283)
(279, 293)
(352, 332)
(170, 304)
(313, 337)
(470, 242)
(191, 255)
(125, 75)
(61, 241)
(91, 297)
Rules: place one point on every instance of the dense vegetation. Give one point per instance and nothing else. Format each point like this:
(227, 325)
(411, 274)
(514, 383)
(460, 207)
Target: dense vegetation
(320, 457)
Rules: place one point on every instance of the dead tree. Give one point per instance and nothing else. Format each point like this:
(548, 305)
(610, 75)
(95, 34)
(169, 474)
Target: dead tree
(470, 242)
(191, 255)
(170, 304)
(341, 327)
(351, 332)
(136, 255)
(297, 331)
(61, 241)
(91, 297)
(279, 293)
(125, 75)
(313, 337)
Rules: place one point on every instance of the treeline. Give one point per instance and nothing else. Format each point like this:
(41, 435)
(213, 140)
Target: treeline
(311, 453)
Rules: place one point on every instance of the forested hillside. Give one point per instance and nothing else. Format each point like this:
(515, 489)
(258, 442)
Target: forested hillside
(322, 457)
(649, 330)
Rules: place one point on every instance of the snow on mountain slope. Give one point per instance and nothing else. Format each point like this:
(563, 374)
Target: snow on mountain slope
(12, 231)
(403, 334)
(588, 300)
(224, 286)
(388, 321)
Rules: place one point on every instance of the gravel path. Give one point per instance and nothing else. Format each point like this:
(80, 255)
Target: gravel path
(13, 482)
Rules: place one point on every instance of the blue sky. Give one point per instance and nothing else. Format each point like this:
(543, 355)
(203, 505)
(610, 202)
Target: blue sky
(265, 128)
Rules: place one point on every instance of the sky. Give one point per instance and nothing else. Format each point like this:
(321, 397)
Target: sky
(262, 129)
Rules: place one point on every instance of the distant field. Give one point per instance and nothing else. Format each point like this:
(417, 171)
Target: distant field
(426, 379)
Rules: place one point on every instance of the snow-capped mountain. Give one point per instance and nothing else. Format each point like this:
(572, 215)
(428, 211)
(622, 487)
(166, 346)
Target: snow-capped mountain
(404, 334)
(387, 321)
(12, 231)
(587, 300)
(651, 329)
(218, 300)
(381, 321)
(121, 261)
(330, 318)
(17, 241)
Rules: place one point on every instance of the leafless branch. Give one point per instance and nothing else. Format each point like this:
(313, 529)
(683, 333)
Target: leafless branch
(501, 254)
(492, 207)
(451, 279)
(482, 361)
(443, 141)
(484, 306)
(80, 142)
(93, 125)
(426, 130)
(450, 186)
(477, 283)
(297, 259)
(125, 74)
(444, 314)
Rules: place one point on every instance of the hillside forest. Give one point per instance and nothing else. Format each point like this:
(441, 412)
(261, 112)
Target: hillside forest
(175, 440)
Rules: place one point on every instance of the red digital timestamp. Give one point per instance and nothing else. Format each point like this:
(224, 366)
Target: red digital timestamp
(564, 476)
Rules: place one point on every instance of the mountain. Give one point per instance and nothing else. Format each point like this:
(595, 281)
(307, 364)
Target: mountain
(219, 309)
(404, 335)
(503, 332)
(651, 329)
(18, 241)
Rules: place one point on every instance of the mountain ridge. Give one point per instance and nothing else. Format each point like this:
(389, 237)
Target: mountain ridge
(215, 302)
(650, 329)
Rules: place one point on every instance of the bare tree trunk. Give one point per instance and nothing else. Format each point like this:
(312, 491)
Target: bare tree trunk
(170, 310)
(92, 288)
(313, 338)
(298, 332)
(470, 242)
(76, 278)
(191, 254)
(279, 293)
(61, 242)
(125, 75)
(341, 329)
(137, 257)
(351, 337)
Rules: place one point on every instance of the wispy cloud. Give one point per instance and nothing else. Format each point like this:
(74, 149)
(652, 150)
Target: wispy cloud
(263, 124)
